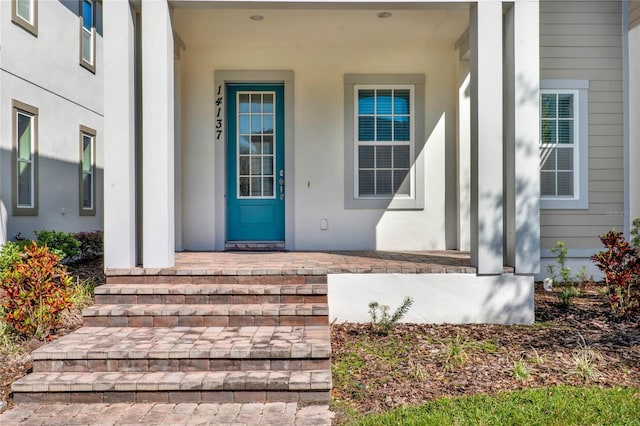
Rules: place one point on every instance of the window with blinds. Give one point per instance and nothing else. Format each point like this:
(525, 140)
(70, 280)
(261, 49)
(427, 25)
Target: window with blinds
(384, 133)
(558, 144)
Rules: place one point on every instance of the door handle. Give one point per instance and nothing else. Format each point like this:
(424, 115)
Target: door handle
(281, 182)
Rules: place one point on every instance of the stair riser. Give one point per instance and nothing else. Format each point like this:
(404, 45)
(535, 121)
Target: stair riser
(175, 365)
(172, 397)
(217, 279)
(213, 299)
(205, 321)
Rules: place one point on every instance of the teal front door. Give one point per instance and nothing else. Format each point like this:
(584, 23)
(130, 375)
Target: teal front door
(255, 162)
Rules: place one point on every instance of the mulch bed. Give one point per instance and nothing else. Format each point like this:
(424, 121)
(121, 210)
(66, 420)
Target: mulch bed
(413, 363)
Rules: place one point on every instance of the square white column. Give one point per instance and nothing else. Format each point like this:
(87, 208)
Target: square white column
(486, 138)
(119, 135)
(158, 247)
(526, 61)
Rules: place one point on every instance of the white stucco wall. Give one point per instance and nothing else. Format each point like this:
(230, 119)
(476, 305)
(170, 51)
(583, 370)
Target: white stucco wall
(45, 73)
(228, 40)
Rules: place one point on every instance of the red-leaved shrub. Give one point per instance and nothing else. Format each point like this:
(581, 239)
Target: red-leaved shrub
(621, 267)
(37, 291)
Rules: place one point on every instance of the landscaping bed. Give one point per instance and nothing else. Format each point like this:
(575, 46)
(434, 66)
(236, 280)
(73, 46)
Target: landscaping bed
(583, 345)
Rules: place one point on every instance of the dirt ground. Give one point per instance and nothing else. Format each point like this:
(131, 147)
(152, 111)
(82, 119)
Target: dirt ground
(582, 345)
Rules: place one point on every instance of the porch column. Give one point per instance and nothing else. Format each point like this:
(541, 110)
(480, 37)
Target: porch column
(526, 58)
(486, 138)
(157, 136)
(119, 135)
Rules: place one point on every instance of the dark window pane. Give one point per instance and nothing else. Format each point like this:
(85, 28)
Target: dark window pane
(565, 131)
(267, 165)
(24, 184)
(548, 183)
(401, 157)
(256, 166)
(365, 129)
(87, 14)
(366, 157)
(244, 186)
(87, 191)
(267, 144)
(565, 159)
(565, 106)
(256, 144)
(267, 102)
(383, 127)
(383, 182)
(267, 186)
(256, 102)
(244, 165)
(267, 123)
(565, 184)
(548, 131)
(366, 185)
(401, 128)
(548, 105)
(383, 157)
(24, 136)
(256, 187)
(402, 101)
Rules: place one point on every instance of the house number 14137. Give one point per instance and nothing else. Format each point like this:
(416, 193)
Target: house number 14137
(219, 113)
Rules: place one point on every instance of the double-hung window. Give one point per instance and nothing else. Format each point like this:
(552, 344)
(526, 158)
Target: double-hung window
(383, 118)
(25, 160)
(24, 13)
(87, 171)
(88, 35)
(563, 145)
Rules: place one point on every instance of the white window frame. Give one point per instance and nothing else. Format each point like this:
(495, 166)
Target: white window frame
(31, 24)
(86, 132)
(580, 90)
(352, 84)
(31, 209)
(89, 64)
(358, 143)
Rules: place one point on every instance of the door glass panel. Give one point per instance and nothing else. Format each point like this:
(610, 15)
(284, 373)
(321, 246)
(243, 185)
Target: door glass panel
(256, 159)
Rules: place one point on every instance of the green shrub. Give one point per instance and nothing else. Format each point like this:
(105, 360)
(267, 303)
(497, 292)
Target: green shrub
(381, 321)
(91, 244)
(9, 255)
(38, 290)
(560, 274)
(62, 244)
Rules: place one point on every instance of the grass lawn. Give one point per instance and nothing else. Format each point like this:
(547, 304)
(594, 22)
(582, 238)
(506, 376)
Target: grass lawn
(562, 405)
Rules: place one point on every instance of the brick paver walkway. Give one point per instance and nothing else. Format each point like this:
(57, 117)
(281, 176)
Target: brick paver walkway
(273, 413)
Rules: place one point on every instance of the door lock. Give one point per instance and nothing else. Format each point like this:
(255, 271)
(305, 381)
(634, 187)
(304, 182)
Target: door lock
(281, 182)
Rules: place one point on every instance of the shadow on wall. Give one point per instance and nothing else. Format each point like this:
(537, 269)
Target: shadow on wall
(58, 199)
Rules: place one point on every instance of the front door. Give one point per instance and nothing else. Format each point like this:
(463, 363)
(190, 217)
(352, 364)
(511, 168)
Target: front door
(255, 162)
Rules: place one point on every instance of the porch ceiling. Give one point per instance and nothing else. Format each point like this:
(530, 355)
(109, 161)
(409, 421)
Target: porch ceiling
(233, 27)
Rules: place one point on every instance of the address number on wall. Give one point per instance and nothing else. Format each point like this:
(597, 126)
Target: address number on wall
(219, 127)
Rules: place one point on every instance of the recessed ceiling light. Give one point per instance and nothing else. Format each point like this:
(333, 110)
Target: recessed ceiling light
(256, 17)
(384, 15)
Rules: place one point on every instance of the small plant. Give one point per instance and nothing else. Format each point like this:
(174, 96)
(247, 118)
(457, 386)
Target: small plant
(9, 255)
(520, 370)
(91, 244)
(381, 321)
(455, 353)
(635, 233)
(560, 274)
(620, 264)
(37, 291)
(585, 362)
(63, 244)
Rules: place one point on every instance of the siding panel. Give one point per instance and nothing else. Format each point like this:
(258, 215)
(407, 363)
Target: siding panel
(582, 40)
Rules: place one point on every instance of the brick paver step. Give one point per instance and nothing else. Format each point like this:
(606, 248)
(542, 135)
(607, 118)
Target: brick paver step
(140, 349)
(210, 293)
(174, 315)
(197, 386)
(253, 276)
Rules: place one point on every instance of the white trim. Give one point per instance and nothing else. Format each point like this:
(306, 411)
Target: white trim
(579, 88)
(626, 158)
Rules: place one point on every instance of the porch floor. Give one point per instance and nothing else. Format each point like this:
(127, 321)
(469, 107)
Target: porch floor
(312, 263)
